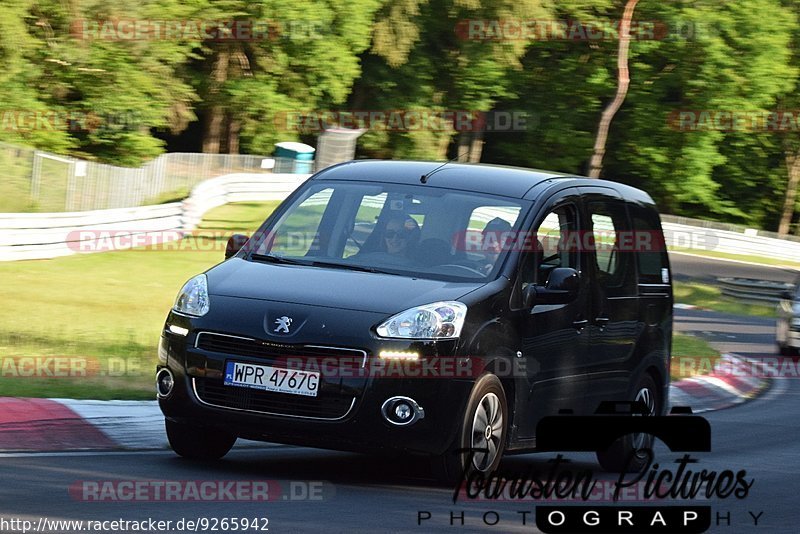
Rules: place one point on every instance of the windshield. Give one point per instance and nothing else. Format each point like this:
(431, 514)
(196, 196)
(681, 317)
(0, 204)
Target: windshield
(393, 228)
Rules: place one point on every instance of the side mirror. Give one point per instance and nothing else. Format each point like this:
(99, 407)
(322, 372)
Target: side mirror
(235, 244)
(562, 287)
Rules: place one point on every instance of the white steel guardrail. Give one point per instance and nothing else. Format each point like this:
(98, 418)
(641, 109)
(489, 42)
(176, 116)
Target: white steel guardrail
(686, 237)
(28, 236)
(757, 291)
(49, 235)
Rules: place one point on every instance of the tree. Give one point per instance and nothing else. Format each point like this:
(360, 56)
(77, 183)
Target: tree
(422, 58)
(723, 64)
(104, 94)
(307, 59)
(623, 81)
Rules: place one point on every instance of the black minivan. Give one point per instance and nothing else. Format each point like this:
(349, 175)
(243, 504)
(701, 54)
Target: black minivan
(440, 310)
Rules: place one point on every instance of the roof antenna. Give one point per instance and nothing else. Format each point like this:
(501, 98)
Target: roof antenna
(424, 178)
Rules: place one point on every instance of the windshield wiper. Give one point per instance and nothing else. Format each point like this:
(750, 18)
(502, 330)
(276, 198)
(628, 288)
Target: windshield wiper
(276, 259)
(347, 266)
(313, 263)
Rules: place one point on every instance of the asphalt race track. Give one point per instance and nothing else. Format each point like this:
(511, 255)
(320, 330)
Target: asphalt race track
(307, 490)
(321, 491)
(707, 270)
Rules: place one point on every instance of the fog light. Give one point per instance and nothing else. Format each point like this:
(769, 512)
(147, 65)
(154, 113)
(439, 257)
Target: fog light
(401, 411)
(164, 383)
(181, 331)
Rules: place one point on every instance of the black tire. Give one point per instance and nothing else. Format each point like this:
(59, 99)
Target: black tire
(486, 407)
(622, 456)
(198, 443)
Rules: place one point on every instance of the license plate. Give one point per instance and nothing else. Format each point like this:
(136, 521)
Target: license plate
(269, 378)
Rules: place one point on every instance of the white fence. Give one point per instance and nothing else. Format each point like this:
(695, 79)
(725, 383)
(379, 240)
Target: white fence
(44, 182)
(28, 236)
(49, 235)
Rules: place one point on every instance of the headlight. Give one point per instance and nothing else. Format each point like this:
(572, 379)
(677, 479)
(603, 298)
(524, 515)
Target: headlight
(432, 321)
(193, 297)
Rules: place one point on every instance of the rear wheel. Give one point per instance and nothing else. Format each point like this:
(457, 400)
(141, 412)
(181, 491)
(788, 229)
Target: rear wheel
(481, 438)
(198, 443)
(630, 452)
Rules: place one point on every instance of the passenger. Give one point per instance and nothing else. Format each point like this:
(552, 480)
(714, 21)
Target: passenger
(494, 238)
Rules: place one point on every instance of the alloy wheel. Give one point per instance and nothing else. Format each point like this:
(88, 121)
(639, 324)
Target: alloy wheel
(487, 431)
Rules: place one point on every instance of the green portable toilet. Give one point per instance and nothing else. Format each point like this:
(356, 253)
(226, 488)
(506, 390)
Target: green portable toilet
(295, 158)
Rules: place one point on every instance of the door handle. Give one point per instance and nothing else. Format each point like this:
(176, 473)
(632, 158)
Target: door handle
(602, 322)
(580, 325)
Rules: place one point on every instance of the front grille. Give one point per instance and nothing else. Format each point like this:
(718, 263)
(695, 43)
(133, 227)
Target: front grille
(324, 406)
(242, 346)
(336, 395)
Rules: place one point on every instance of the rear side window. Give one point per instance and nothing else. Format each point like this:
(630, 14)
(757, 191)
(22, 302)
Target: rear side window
(614, 263)
(651, 251)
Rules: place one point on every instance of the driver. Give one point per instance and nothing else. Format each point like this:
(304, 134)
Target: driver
(400, 235)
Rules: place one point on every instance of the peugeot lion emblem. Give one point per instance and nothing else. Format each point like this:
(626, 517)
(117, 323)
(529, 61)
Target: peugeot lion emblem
(283, 324)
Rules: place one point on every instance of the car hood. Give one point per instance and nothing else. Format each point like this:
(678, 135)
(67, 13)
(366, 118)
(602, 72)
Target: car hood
(334, 288)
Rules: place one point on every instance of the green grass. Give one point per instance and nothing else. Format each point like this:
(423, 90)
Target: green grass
(761, 260)
(711, 297)
(691, 356)
(106, 307)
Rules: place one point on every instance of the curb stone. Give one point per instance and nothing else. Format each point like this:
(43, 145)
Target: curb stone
(80, 425)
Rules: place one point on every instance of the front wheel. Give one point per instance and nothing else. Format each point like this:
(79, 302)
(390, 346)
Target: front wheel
(481, 438)
(198, 443)
(630, 453)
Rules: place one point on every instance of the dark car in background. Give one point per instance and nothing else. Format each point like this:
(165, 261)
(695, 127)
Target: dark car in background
(787, 335)
(424, 308)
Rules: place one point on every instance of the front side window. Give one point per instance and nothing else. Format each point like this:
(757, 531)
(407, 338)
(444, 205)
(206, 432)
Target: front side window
(555, 246)
(292, 237)
(393, 228)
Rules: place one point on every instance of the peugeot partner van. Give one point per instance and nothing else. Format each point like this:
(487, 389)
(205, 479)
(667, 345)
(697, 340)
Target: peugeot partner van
(439, 310)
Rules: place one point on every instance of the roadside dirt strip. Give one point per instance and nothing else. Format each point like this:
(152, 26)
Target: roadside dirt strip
(80, 425)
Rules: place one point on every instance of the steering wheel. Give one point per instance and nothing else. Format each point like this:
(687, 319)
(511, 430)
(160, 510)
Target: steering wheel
(470, 269)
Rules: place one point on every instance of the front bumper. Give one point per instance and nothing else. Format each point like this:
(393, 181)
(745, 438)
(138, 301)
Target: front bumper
(348, 416)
